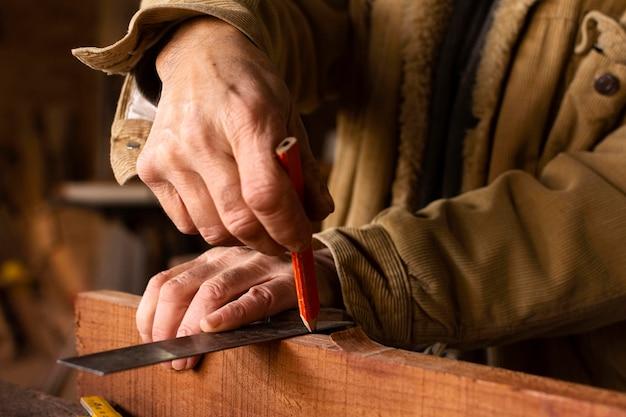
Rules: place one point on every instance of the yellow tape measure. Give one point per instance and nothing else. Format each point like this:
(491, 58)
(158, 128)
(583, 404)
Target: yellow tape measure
(98, 407)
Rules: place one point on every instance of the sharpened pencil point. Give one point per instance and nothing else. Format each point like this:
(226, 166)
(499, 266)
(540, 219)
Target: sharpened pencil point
(311, 325)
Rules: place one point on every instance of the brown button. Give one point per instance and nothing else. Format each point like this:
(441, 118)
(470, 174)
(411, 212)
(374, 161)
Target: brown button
(607, 84)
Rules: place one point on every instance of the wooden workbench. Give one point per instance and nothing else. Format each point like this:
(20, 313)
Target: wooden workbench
(20, 402)
(344, 374)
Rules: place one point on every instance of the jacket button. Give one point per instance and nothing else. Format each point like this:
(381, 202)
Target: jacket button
(132, 145)
(607, 84)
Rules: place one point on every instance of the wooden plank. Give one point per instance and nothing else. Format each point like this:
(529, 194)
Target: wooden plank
(345, 374)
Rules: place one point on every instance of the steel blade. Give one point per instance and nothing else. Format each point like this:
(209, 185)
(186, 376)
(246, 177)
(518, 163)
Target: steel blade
(116, 360)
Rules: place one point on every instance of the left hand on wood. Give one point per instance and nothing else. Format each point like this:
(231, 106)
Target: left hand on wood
(222, 289)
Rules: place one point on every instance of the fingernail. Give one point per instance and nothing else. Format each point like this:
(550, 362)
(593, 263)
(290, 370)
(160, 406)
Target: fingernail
(210, 322)
(179, 364)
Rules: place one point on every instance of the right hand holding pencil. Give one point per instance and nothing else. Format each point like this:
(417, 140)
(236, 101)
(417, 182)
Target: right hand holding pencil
(210, 158)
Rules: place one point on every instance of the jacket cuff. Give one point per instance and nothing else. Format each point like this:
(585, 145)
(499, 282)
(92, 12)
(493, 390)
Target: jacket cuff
(374, 282)
(151, 23)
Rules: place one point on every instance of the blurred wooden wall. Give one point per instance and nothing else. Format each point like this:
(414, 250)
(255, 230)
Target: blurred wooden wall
(59, 109)
(55, 115)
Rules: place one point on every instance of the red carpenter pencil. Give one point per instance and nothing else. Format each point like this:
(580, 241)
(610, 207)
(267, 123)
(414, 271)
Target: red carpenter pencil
(303, 263)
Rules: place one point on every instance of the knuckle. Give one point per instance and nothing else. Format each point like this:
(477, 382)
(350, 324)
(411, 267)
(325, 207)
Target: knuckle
(185, 330)
(243, 225)
(158, 280)
(214, 254)
(213, 291)
(185, 228)
(230, 200)
(173, 289)
(237, 311)
(146, 168)
(156, 160)
(239, 251)
(262, 197)
(215, 234)
(262, 296)
(225, 256)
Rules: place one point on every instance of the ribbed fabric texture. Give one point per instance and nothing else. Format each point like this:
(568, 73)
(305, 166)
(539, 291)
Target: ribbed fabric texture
(514, 260)
(381, 303)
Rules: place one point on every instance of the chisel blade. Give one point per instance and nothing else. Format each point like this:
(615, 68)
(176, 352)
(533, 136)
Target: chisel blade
(116, 360)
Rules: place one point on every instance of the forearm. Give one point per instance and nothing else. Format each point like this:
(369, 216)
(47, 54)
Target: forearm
(523, 257)
(305, 40)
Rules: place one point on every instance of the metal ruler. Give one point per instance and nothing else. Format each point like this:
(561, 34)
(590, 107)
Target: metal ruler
(131, 357)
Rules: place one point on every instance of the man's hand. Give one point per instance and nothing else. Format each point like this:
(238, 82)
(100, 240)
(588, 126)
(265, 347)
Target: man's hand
(210, 158)
(223, 289)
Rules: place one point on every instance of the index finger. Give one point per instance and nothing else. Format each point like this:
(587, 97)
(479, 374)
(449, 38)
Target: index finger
(175, 296)
(147, 306)
(269, 193)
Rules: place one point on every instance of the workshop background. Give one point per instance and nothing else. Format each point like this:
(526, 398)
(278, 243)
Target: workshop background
(65, 225)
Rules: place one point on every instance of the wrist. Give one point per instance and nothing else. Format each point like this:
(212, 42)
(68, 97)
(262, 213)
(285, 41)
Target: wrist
(189, 40)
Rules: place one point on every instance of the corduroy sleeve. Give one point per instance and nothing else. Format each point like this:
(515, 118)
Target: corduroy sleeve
(520, 258)
(305, 39)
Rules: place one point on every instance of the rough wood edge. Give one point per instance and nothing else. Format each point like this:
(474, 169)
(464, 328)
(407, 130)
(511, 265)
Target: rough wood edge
(109, 296)
(359, 348)
(355, 341)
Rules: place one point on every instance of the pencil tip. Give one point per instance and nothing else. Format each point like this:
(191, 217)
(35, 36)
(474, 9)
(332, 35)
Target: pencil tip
(311, 325)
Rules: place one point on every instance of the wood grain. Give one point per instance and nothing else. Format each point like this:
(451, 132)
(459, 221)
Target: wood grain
(345, 374)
